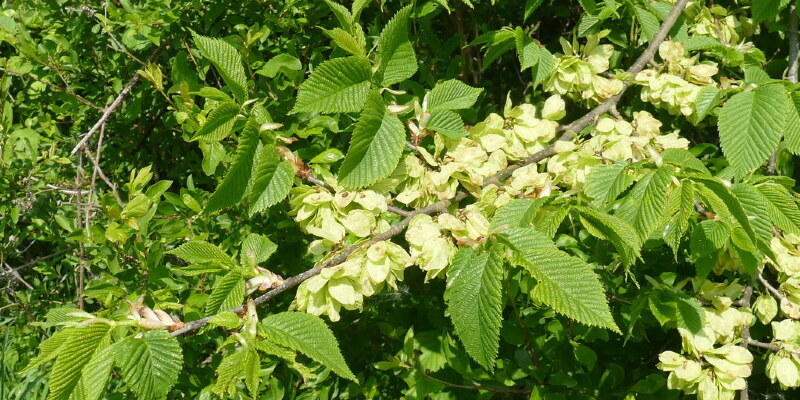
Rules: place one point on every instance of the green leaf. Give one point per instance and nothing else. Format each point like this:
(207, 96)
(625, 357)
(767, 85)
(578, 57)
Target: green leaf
(76, 352)
(755, 75)
(708, 237)
(751, 125)
(219, 123)
(756, 206)
(452, 95)
(226, 319)
(730, 204)
(197, 251)
(781, 207)
(588, 5)
(475, 301)
(240, 365)
(707, 99)
(375, 147)
(609, 227)
(338, 85)
(792, 134)
(700, 42)
(346, 41)
(766, 10)
(552, 219)
(95, 375)
(517, 213)
(648, 22)
(49, 349)
(150, 365)
(690, 315)
(234, 186)
(272, 181)
(644, 206)
(530, 7)
(605, 182)
(228, 293)
(227, 61)
(448, 123)
(396, 61)
(309, 335)
(679, 211)
(566, 283)
(256, 249)
(527, 50)
(545, 64)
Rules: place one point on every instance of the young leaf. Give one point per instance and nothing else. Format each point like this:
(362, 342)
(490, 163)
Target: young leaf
(474, 300)
(72, 358)
(707, 99)
(757, 207)
(781, 207)
(219, 123)
(690, 315)
(95, 375)
(448, 123)
(452, 95)
(644, 206)
(338, 85)
(679, 211)
(396, 61)
(648, 22)
(518, 213)
(730, 204)
(346, 41)
(243, 364)
(150, 365)
(228, 293)
(792, 134)
(751, 125)
(527, 50)
(49, 349)
(621, 234)
(565, 283)
(227, 61)
(197, 251)
(544, 66)
(309, 335)
(375, 147)
(605, 182)
(256, 249)
(272, 181)
(233, 187)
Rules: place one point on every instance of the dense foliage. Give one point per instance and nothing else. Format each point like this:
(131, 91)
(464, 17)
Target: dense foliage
(444, 199)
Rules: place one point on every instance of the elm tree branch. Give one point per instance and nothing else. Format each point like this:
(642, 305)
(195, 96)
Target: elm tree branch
(441, 206)
(115, 104)
(604, 107)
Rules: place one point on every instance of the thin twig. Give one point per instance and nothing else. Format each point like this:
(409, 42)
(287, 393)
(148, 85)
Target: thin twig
(778, 295)
(477, 387)
(16, 275)
(56, 87)
(107, 113)
(78, 223)
(287, 284)
(103, 176)
(791, 73)
(40, 259)
(319, 182)
(114, 105)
